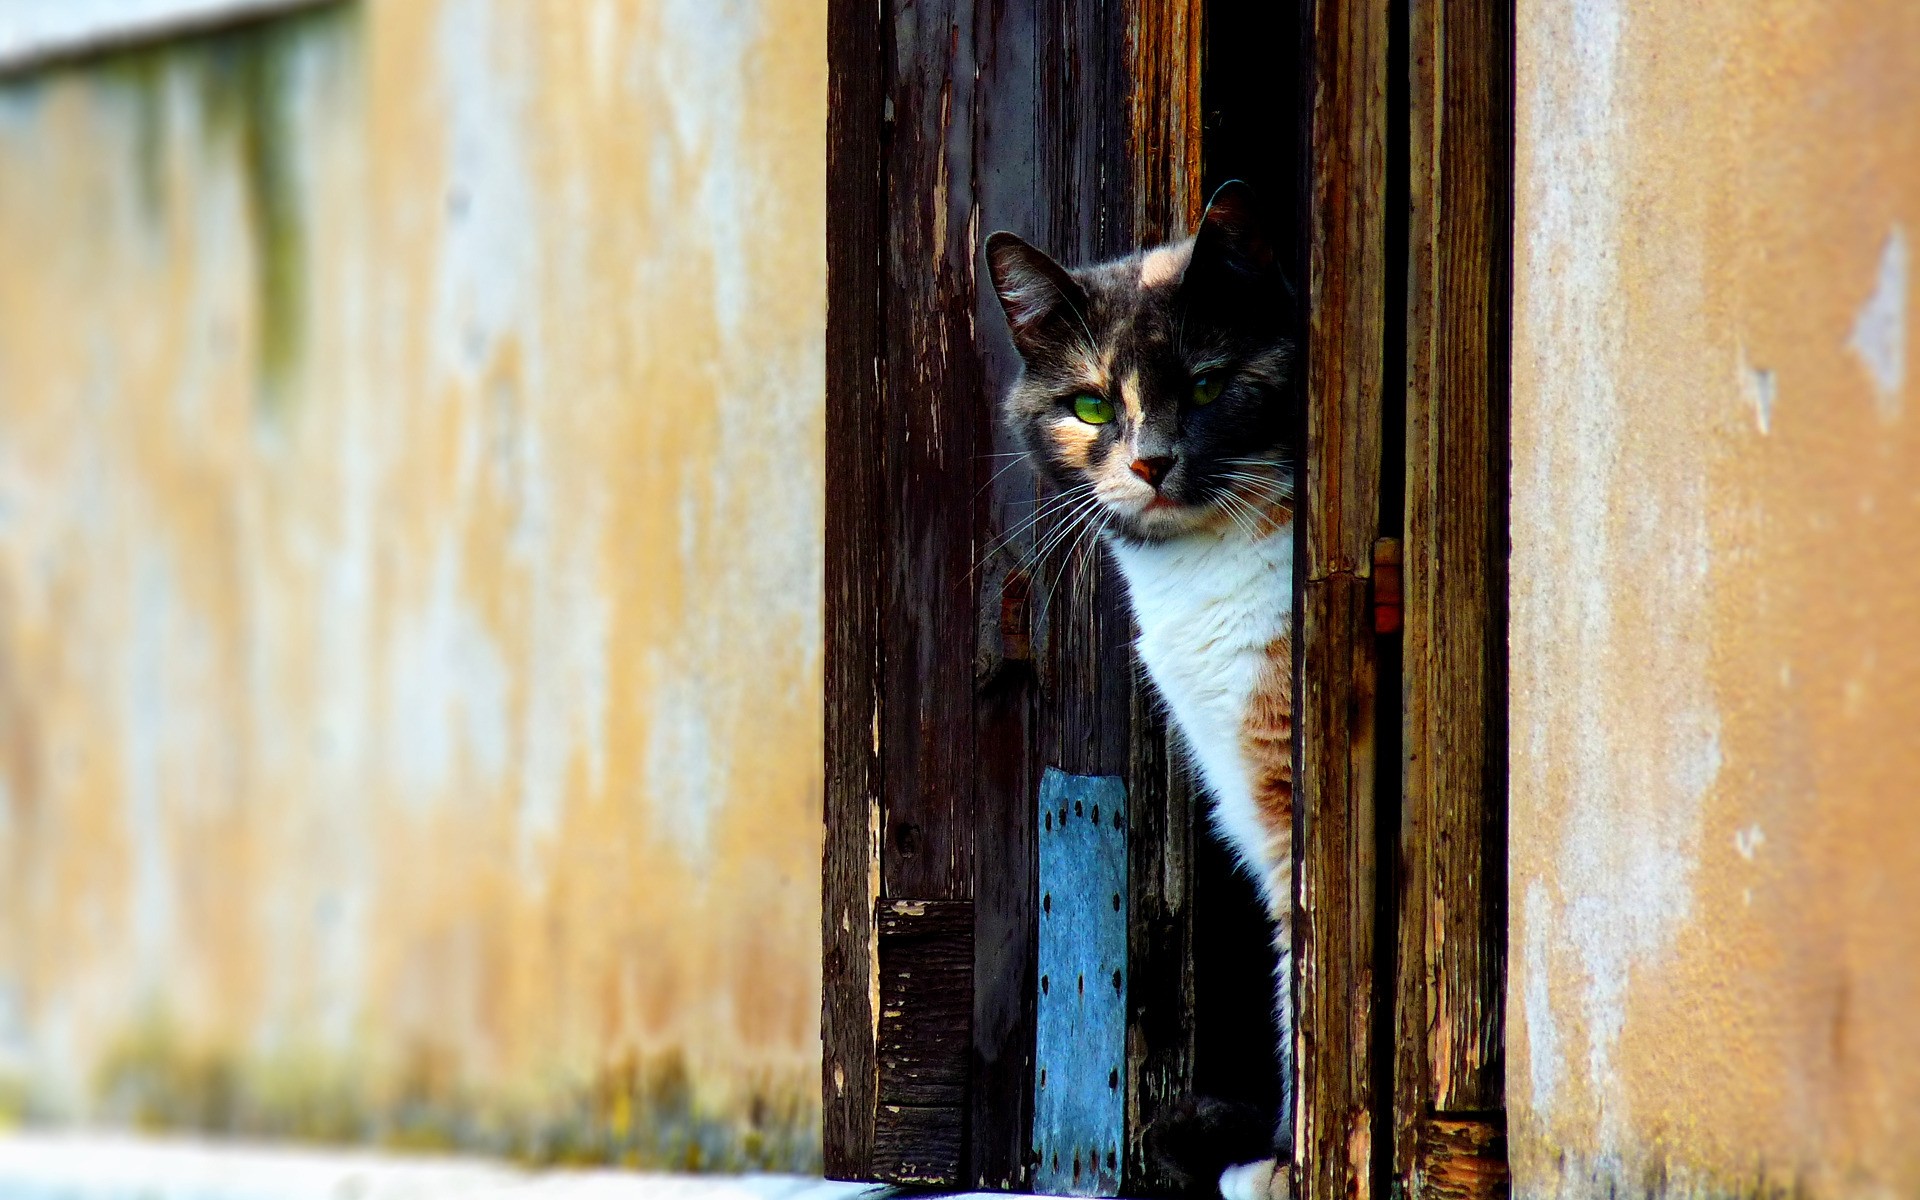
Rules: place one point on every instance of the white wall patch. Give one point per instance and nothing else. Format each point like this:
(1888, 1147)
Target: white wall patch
(1760, 386)
(1880, 331)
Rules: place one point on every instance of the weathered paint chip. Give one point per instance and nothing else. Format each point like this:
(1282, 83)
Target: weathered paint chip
(1880, 331)
(1761, 387)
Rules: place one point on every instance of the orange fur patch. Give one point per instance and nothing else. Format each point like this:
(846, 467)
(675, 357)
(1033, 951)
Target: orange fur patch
(1130, 396)
(1266, 738)
(1076, 441)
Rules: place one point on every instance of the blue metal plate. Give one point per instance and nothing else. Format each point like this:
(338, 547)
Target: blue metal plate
(1079, 1069)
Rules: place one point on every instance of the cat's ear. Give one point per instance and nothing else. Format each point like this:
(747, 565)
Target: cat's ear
(1231, 243)
(1032, 287)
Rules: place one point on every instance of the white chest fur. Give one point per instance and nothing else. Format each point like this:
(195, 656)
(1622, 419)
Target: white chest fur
(1209, 609)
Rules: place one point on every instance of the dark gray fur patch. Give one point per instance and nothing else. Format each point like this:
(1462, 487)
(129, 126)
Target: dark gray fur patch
(1228, 311)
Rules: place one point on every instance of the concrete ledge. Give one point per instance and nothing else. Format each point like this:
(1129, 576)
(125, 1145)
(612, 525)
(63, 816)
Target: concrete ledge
(35, 31)
(114, 1166)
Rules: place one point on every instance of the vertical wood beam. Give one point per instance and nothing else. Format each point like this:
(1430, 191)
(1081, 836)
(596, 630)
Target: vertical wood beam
(1449, 1064)
(856, 207)
(1164, 39)
(1340, 520)
(1162, 153)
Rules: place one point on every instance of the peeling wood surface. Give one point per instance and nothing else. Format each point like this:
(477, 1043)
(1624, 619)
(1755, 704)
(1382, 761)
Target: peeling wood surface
(1461, 1158)
(1334, 705)
(972, 671)
(922, 1044)
(1164, 43)
(1449, 1024)
(854, 507)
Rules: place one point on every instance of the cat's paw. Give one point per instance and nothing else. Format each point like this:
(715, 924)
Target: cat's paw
(1263, 1180)
(1194, 1139)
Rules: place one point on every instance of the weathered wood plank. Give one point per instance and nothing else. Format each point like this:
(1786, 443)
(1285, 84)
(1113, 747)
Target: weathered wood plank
(1164, 40)
(917, 1145)
(965, 678)
(929, 443)
(1164, 143)
(926, 999)
(1001, 126)
(1334, 928)
(1334, 924)
(1345, 343)
(926, 1002)
(1080, 1051)
(856, 206)
(1452, 926)
(1047, 129)
(1161, 1029)
(1462, 1158)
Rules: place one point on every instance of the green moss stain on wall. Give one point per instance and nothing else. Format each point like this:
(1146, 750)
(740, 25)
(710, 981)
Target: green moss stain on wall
(252, 89)
(410, 491)
(645, 1112)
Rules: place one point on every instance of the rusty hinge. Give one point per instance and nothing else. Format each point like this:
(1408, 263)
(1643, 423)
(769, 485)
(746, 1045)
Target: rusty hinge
(1387, 613)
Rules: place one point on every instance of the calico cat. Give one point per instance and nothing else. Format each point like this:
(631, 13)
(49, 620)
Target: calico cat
(1154, 394)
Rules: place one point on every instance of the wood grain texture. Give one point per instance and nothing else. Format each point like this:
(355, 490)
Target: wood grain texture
(1164, 40)
(1334, 922)
(1462, 1158)
(929, 443)
(1161, 810)
(1340, 518)
(918, 1146)
(1338, 660)
(1452, 927)
(1046, 130)
(956, 675)
(856, 215)
(926, 998)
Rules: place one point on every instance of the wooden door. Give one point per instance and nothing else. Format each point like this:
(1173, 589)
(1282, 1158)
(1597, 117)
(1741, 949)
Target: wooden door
(961, 671)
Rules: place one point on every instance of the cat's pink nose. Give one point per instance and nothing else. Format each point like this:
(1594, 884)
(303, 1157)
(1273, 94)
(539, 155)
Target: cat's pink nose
(1153, 470)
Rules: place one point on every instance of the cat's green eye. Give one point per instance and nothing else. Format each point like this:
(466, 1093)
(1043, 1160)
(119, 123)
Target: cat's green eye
(1206, 388)
(1094, 410)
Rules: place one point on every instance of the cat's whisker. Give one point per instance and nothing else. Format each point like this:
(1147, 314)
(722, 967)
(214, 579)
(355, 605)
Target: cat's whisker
(995, 477)
(1268, 488)
(1234, 506)
(1046, 506)
(1066, 527)
(1260, 494)
(1036, 555)
(1093, 567)
(1086, 527)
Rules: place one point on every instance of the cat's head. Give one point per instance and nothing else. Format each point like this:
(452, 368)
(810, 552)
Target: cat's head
(1157, 382)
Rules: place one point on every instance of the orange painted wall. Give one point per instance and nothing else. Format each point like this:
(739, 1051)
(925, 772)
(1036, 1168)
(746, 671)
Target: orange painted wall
(1715, 594)
(410, 543)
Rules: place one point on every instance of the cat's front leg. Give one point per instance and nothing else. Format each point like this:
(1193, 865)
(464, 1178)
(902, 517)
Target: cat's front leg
(1271, 1178)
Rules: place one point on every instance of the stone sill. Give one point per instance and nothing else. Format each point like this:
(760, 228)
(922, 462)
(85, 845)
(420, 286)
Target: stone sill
(91, 1165)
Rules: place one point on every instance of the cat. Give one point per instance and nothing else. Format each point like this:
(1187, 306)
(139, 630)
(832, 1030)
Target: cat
(1154, 393)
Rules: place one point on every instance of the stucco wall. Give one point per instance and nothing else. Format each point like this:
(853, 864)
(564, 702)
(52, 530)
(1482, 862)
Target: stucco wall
(410, 506)
(1715, 590)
